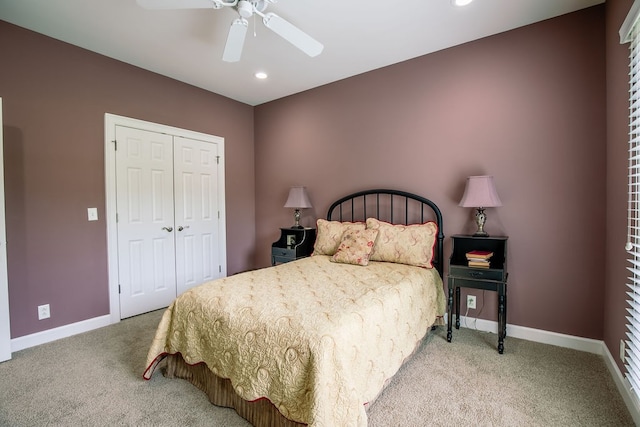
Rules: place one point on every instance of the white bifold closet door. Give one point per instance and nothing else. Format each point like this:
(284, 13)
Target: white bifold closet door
(166, 196)
(196, 212)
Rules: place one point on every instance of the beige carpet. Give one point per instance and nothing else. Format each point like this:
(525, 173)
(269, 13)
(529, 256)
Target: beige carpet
(95, 379)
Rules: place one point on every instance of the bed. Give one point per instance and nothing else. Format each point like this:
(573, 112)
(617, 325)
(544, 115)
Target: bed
(315, 341)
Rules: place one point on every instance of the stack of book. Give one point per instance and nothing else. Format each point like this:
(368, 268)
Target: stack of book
(479, 259)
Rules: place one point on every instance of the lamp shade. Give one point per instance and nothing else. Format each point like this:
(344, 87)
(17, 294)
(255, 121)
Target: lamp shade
(480, 192)
(298, 198)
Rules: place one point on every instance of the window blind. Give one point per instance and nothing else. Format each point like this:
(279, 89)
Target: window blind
(632, 350)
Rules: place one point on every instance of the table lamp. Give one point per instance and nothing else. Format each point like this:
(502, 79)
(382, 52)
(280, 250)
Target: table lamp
(298, 199)
(480, 193)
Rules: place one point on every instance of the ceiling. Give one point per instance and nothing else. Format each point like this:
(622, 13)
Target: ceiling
(358, 36)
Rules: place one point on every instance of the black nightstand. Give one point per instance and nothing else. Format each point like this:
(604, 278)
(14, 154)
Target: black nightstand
(294, 243)
(493, 278)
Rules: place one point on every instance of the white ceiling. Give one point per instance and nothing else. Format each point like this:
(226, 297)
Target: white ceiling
(358, 36)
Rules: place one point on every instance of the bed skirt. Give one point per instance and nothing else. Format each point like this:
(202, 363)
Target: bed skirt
(260, 413)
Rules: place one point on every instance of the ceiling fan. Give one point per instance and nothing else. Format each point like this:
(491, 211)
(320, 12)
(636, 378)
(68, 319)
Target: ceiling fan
(238, 30)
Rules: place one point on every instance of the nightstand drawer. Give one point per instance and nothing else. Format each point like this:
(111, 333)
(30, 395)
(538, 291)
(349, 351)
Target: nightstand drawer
(294, 243)
(462, 272)
(283, 253)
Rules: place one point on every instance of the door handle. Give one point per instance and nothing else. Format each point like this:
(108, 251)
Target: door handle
(180, 228)
(169, 229)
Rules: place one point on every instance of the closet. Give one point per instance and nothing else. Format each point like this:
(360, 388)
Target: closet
(169, 228)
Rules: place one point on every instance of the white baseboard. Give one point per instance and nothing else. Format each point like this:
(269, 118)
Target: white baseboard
(535, 335)
(65, 331)
(623, 385)
(567, 341)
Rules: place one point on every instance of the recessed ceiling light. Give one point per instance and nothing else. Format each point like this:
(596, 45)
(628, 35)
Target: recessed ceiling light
(261, 75)
(461, 2)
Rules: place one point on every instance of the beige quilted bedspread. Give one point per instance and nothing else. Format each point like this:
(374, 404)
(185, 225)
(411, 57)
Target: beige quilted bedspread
(318, 339)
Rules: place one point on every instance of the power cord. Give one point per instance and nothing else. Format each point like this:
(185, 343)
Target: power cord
(475, 319)
(466, 313)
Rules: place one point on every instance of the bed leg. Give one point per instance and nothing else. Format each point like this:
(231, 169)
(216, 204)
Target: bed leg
(450, 314)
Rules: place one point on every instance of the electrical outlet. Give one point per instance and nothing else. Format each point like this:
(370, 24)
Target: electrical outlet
(471, 302)
(43, 312)
(622, 355)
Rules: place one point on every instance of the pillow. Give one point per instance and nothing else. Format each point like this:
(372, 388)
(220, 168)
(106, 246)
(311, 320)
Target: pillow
(404, 244)
(355, 247)
(329, 234)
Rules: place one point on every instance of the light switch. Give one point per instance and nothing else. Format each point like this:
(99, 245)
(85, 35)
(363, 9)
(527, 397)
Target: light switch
(92, 213)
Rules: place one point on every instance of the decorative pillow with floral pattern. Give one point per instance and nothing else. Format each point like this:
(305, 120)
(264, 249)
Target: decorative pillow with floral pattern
(404, 244)
(329, 235)
(355, 247)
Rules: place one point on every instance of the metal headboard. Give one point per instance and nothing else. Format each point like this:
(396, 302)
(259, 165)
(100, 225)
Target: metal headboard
(394, 206)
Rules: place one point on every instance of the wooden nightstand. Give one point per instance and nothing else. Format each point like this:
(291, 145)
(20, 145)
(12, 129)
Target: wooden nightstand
(294, 243)
(493, 278)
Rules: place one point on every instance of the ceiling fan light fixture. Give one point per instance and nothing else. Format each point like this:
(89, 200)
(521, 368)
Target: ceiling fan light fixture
(461, 2)
(245, 8)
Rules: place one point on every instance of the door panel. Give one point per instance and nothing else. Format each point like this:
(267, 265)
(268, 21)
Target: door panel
(146, 235)
(196, 214)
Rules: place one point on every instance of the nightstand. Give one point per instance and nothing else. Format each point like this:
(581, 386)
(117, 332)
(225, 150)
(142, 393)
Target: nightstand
(493, 278)
(294, 243)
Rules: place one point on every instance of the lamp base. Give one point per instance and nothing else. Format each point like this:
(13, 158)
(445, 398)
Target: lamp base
(481, 218)
(296, 217)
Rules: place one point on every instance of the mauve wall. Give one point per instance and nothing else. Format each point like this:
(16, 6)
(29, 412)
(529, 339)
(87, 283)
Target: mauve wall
(616, 178)
(527, 106)
(55, 97)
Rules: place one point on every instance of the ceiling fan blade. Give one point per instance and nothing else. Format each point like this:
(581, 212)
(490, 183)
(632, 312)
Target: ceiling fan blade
(292, 34)
(178, 4)
(235, 40)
